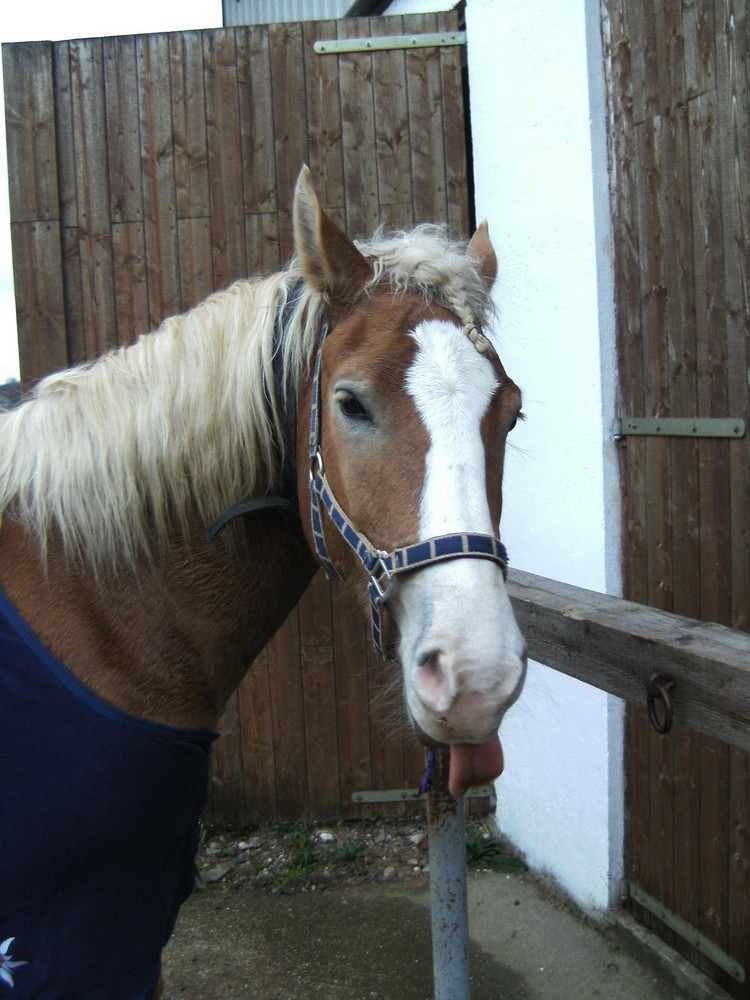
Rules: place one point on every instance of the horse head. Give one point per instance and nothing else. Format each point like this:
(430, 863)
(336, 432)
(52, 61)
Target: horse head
(402, 431)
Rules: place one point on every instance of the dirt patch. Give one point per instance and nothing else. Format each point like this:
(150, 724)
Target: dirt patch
(298, 858)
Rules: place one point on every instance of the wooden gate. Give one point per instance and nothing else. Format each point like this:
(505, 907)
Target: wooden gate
(146, 172)
(679, 78)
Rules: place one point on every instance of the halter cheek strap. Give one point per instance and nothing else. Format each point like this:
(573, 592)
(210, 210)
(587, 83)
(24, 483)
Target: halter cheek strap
(381, 567)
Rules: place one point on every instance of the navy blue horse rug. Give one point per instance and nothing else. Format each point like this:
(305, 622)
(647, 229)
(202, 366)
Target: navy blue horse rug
(99, 816)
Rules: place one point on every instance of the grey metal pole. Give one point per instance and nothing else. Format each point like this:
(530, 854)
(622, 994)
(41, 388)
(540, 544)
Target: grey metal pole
(450, 917)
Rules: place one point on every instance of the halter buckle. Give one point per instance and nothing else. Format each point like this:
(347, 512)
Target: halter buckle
(381, 578)
(316, 466)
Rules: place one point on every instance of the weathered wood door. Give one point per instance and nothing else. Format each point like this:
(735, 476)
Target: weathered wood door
(148, 171)
(679, 76)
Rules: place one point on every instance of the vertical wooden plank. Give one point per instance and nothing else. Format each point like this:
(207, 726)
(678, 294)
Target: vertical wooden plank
(158, 172)
(123, 129)
(662, 830)
(670, 57)
(389, 724)
(644, 56)
(732, 165)
(711, 370)
(638, 819)
(263, 246)
(40, 309)
(73, 292)
(288, 713)
(423, 71)
(258, 750)
(454, 133)
(196, 261)
(224, 160)
(31, 132)
(738, 919)
(131, 285)
(319, 693)
(687, 893)
(685, 317)
(288, 86)
(66, 168)
(192, 196)
(651, 224)
(392, 126)
(188, 100)
(324, 124)
(680, 349)
(227, 776)
(256, 119)
(358, 136)
(641, 331)
(99, 331)
(733, 82)
(354, 720)
(624, 209)
(714, 859)
(36, 233)
(398, 758)
(700, 48)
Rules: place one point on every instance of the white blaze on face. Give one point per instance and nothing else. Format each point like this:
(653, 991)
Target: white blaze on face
(452, 385)
(461, 649)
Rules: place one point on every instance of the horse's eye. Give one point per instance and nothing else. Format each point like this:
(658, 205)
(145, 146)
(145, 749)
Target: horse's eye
(521, 416)
(351, 406)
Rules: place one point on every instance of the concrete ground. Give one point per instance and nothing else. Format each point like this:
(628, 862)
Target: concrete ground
(359, 943)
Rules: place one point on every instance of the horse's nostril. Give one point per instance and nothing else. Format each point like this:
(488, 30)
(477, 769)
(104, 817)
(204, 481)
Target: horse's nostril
(430, 659)
(434, 684)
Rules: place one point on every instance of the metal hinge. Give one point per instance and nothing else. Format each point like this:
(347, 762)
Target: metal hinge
(334, 46)
(685, 930)
(702, 427)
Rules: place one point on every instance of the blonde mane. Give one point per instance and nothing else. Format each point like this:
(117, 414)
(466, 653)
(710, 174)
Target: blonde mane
(117, 454)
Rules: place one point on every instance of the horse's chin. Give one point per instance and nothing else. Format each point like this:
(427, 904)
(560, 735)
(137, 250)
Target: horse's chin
(470, 763)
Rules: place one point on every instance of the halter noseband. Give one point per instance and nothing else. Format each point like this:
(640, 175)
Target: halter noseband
(381, 567)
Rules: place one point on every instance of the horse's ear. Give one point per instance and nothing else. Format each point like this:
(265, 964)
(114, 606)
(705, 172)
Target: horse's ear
(481, 250)
(329, 261)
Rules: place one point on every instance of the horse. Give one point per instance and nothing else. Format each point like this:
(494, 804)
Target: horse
(164, 508)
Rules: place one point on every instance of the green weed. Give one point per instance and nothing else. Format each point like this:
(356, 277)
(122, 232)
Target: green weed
(484, 851)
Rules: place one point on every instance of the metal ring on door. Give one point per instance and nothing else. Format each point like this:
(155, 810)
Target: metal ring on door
(659, 687)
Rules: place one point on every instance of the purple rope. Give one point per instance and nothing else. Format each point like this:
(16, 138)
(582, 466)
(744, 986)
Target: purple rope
(425, 785)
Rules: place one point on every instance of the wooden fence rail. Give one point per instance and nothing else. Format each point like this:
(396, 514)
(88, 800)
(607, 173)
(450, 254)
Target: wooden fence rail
(617, 646)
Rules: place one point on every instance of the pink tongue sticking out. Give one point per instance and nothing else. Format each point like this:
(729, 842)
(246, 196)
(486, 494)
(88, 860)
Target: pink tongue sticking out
(474, 764)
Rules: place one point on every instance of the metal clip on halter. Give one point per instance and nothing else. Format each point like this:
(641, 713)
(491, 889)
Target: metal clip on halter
(378, 573)
(316, 466)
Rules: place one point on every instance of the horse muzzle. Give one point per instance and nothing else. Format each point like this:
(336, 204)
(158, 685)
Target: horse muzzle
(452, 700)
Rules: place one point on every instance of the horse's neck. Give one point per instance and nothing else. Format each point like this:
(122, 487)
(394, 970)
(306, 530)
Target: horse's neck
(173, 645)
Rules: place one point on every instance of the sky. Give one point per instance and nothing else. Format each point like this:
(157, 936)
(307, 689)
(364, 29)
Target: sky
(51, 20)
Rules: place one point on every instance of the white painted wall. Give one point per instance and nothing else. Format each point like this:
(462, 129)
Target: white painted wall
(537, 112)
(540, 167)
